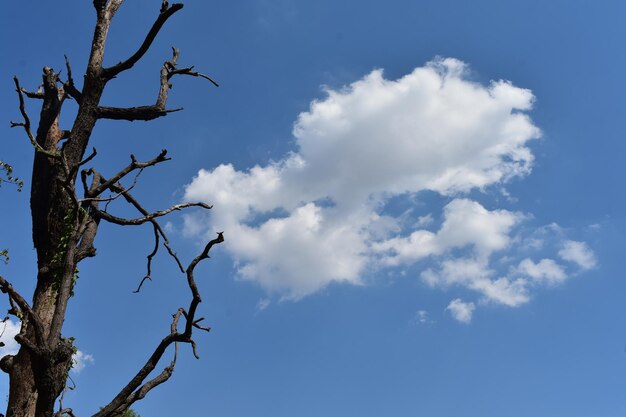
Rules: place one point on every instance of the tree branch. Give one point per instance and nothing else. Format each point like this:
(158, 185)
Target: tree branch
(143, 113)
(26, 123)
(165, 13)
(129, 168)
(141, 220)
(168, 70)
(69, 86)
(189, 71)
(158, 231)
(136, 389)
(39, 94)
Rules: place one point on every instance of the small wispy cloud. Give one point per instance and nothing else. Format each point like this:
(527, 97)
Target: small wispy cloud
(422, 317)
(579, 253)
(80, 360)
(461, 311)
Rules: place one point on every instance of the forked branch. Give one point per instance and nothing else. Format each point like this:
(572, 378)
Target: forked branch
(26, 123)
(134, 164)
(141, 220)
(165, 13)
(69, 86)
(137, 389)
(145, 113)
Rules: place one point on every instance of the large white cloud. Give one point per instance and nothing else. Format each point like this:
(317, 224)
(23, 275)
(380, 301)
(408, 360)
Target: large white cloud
(319, 215)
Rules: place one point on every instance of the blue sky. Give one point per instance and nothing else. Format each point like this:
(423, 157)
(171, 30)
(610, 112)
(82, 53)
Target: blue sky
(423, 205)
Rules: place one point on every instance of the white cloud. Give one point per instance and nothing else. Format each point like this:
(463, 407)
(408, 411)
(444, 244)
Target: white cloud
(578, 253)
(461, 310)
(423, 221)
(319, 215)
(9, 330)
(422, 317)
(545, 270)
(81, 359)
(429, 130)
(475, 274)
(466, 223)
(504, 290)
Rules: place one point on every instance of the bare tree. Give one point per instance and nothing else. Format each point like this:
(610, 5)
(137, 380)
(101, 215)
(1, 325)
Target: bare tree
(66, 220)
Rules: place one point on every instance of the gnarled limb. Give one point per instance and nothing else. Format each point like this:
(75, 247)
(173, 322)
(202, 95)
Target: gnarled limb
(141, 220)
(158, 231)
(39, 94)
(136, 388)
(26, 123)
(168, 70)
(165, 13)
(96, 188)
(134, 164)
(144, 113)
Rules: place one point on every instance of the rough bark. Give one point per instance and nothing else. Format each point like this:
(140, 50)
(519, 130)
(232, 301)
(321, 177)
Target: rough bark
(65, 225)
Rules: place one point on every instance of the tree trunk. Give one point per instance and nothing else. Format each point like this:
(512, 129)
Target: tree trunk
(32, 394)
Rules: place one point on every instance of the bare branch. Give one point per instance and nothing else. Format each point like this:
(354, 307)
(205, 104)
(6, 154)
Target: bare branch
(134, 390)
(165, 13)
(141, 220)
(144, 113)
(26, 123)
(147, 277)
(39, 94)
(192, 283)
(130, 167)
(65, 412)
(197, 326)
(69, 86)
(128, 394)
(91, 156)
(150, 256)
(116, 188)
(154, 382)
(158, 232)
(168, 70)
(189, 71)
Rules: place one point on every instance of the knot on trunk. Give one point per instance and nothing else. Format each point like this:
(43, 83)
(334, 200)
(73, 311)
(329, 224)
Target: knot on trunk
(6, 363)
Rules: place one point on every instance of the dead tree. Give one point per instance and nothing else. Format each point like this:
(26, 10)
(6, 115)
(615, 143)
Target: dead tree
(65, 221)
